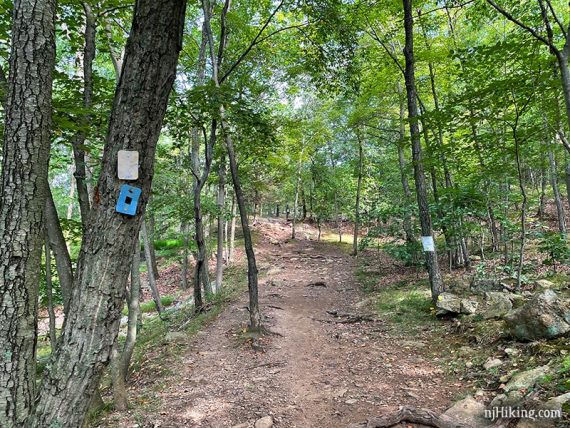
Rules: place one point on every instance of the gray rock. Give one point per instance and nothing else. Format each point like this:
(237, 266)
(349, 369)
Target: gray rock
(545, 316)
(265, 422)
(469, 307)
(497, 305)
(176, 336)
(481, 286)
(527, 379)
(543, 284)
(244, 425)
(510, 399)
(491, 363)
(448, 303)
(469, 412)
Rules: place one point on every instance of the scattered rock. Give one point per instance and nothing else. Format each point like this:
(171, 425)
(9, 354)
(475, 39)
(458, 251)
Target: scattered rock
(475, 258)
(469, 307)
(491, 363)
(543, 284)
(511, 352)
(511, 399)
(557, 402)
(469, 412)
(481, 286)
(176, 336)
(448, 303)
(529, 423)
(497, 305)
(244, 425)
(351, 401)
(546, 316)
(468, 364)
(527, 379)
(265, 422)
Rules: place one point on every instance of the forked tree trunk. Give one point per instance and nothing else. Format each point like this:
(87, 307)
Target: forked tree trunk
(436, 282)
(105, 259)
(120, 361)
(254, 313)
(23, 191)
(49, 293)
(59, 249)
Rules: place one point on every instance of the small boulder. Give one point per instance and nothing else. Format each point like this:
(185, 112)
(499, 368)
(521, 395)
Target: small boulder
(481, 286)
(265, 422)
(468, 412)
(546, 316)
(469, 307)
(527, 379)
(491, 363)
(497, 305)
(448, 303)
(543, 284)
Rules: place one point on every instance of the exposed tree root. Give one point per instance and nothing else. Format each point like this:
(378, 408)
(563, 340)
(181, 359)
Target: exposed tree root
(411, 415)
(349, 318)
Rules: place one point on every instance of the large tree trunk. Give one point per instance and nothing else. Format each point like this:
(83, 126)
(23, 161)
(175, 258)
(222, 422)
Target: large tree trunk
(104, 262)
(59, 249)
(436, 282)
(254, 313)
(24, 190)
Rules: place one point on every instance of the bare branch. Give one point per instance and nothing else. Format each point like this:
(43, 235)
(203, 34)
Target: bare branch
(253, 43)
(560, 25)
(530, 30)
(390, 52)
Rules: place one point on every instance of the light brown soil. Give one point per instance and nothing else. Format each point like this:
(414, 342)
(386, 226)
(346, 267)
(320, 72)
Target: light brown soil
(315, 371)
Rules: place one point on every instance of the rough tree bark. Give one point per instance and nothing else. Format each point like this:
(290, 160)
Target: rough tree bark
(24, 190)
(436, 282)
(92, 323)
(254, 313)
(49, 293)
(59, 249)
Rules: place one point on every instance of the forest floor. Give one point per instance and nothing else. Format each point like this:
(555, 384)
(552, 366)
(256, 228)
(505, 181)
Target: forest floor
(315, 369)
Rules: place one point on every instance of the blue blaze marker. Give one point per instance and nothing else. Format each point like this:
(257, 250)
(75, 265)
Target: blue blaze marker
(128, 200)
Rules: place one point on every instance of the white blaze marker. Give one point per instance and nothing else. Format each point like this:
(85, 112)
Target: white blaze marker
(128, 165)
(428, 244)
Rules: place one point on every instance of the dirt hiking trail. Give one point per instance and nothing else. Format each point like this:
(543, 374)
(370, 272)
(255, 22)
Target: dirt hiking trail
(317, 370)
